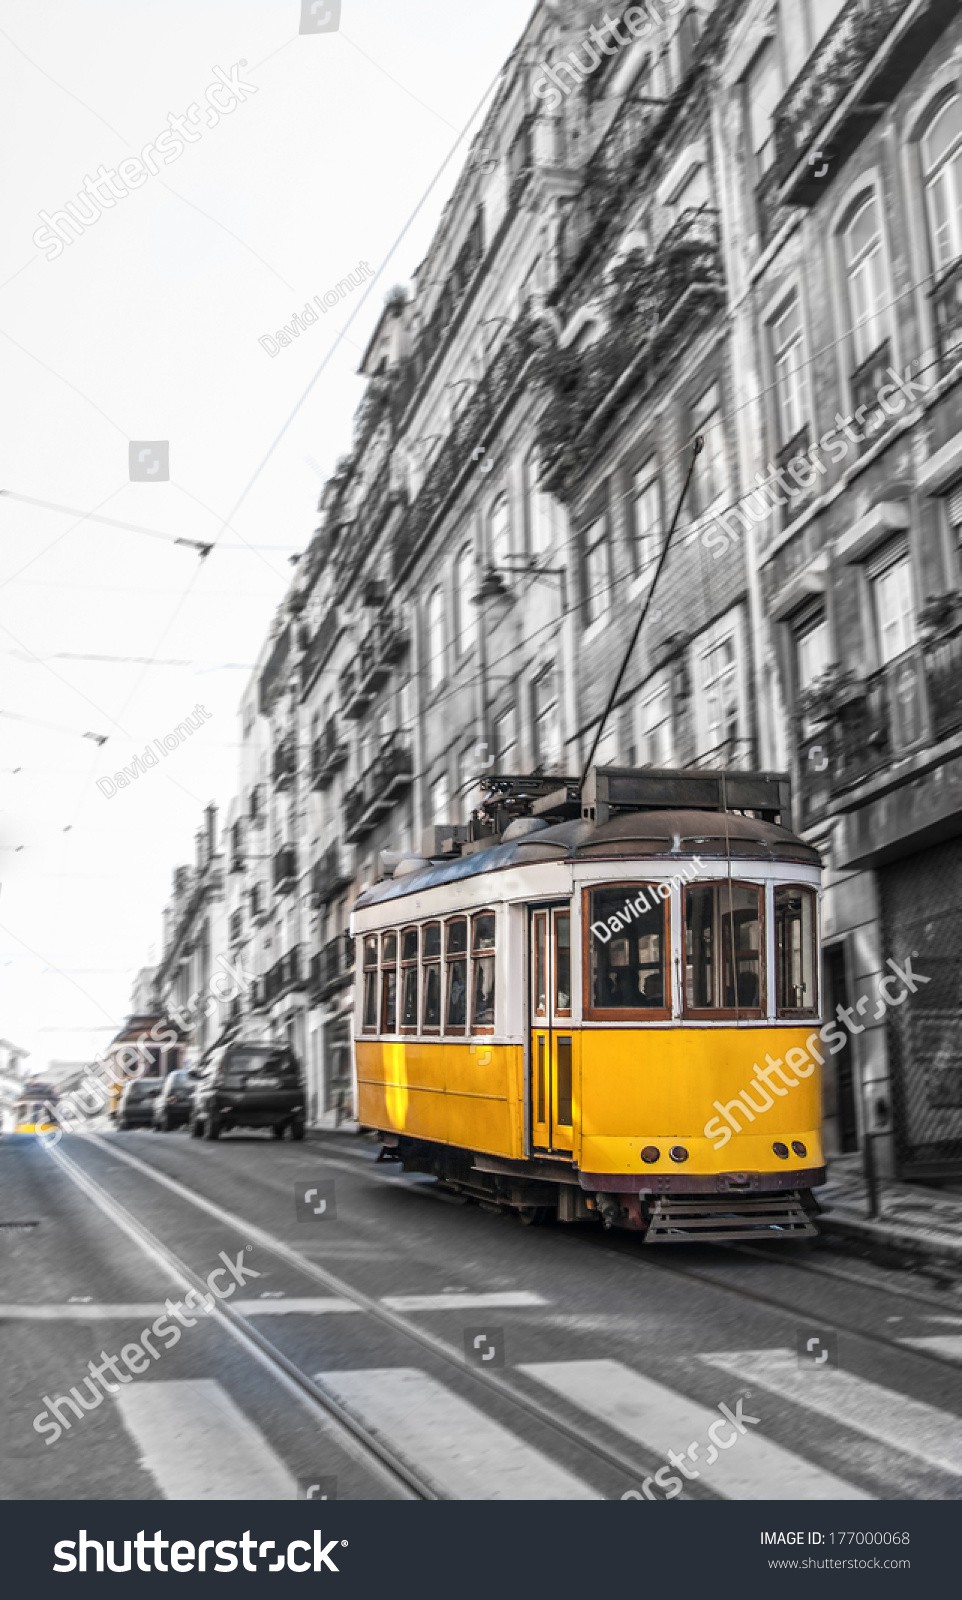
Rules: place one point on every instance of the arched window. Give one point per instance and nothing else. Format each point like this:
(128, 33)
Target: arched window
(499, 532)
(941, 149)
(864, 261)
(435, 640)
(465, 611)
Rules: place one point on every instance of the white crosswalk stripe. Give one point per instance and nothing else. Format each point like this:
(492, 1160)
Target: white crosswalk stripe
(947, 1345)
(496, 1300)
(198, 1445)
(448, 1441)
(907, 1425)
(748, 1467)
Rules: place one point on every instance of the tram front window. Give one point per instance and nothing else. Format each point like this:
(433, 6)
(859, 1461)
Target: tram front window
(796, 987)
(723, 947)
(628, 936)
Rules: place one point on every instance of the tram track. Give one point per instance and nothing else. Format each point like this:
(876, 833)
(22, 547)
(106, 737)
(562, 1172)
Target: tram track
(588, 1444)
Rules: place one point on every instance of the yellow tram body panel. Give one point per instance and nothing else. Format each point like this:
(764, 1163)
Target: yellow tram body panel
(631, 1087)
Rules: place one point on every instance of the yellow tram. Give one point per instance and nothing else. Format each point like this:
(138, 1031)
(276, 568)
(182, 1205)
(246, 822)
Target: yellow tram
(604, 1004)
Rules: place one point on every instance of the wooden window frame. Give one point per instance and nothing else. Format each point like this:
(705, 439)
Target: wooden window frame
(385, 968)
(372, 969)
(430, 1030)
(562, 1012)
(483, 1028)
(807, 1013)
(628, 1014)
(405, 965)
(455, 1030)
(538, 1012)
(756, 1013)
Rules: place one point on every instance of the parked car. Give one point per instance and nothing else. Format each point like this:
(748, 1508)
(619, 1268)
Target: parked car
(250, 1086)
(136, 1107)
(172, 1107)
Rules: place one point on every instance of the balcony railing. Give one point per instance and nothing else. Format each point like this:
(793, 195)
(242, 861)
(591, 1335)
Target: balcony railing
(947, 310)
(337, 969)
(328, 754)
(822, 118)
(285, 763)
(380, 785)
(356, 693)
(284, 975)
(330, 874)
(285, 869)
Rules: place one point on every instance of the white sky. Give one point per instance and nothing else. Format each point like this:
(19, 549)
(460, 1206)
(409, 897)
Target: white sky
(146, 328)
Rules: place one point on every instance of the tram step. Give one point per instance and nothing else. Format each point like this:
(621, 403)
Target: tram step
(678, 1217)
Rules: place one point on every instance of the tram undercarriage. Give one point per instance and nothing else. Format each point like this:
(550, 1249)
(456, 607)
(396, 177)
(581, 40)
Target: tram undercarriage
(736, 1206)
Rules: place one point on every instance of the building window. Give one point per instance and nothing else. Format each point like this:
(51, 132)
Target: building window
(506, 740)
(804, 23)
(864, 262)
(813, 653)
(547, 719)
(796, 965)
(693, 196)
(894, 609)
(499, 533)
(763, 91)
(628, 943)
(654, 727)
(388, 983)
(431, 977)
(723, 948)
(942, 172)
(646, 520)
(439, 800)
(788, 364)
(540, 509)
(719, 700)
(710, 483)
(456, 975)
(436, 643)
(466, 619)
(409, 980)
(482, 972)
(597, 570)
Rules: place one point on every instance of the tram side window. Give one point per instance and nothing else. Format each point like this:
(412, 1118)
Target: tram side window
(456, 978)
(796, 951)
(409, 980)
(369, 960)
(389, 983)
(628, 938)
(431, 979)
(723, 948)
(482, 972)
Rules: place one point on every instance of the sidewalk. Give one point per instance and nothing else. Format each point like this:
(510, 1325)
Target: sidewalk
(925, 1223)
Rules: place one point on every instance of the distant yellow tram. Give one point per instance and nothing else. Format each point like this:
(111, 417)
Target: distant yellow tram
(586, 1009)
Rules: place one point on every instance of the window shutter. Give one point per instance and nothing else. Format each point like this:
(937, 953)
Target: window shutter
(955, 505)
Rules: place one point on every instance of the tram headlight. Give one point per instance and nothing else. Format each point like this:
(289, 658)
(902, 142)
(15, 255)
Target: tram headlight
(678, 1153)
(650, 1154)
(781, 1150)
(799, 1148)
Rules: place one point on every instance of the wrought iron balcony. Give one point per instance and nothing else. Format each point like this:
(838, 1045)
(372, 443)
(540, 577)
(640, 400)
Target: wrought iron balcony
(856, 70)
(356, 693)
(947, 310)
(338, 964)
(330, 874)
(328, 754)
(357, 823)
(285, 974)
(285, 869)
(285, 763)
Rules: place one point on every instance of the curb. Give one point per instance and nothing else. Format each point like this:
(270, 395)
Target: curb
(935, 1248)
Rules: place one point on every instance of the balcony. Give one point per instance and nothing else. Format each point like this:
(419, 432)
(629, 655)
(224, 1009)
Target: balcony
(330, 874)
(947, 312)
(285, 763)
(867, 380)
(911, 704)
(328, 755)
(285, 869)
(856, 70)
(356, 694)
(337, 965)
(379, 787)
(357, 824)
(315, 979)
(284, 975)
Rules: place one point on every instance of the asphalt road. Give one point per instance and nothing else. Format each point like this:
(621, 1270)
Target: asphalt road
(379, 1339)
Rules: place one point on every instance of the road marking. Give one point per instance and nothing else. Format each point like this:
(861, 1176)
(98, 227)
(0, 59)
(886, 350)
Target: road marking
(750, 1468)
(497, 1300)
(946, 1345)
(910, 1426)
(198, 1445)
(78, 1312)
(307, 1306)
(446, 1439)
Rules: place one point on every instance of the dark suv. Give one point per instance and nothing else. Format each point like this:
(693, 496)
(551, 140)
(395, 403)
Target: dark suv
(249, 1086)
(136, 1107)
(173, 1104)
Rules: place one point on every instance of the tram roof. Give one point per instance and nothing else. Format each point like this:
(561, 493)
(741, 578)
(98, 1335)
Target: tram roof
(639, 835)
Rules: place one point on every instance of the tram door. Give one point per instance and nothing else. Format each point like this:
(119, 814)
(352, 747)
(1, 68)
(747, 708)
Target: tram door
(551, 1036)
